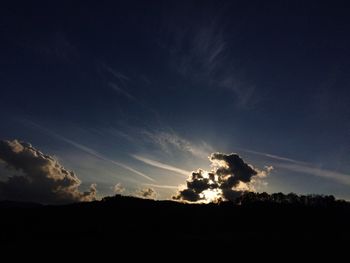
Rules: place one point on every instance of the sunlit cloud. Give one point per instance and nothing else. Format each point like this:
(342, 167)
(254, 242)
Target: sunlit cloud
(162, 186)
(41, 179)
(148, 193)
(229, 178)
(118, 189)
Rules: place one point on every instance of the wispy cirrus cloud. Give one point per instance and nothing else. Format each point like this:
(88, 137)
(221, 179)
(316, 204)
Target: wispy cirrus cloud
(200, 53)
(162, 186)
(120, 76)
(103, 157)
(315, 171)
(89, 150)
(169, 141)
(119, 83)
(116, 133)
(207, 49)
(303, 167)
(123, 86)
(121, 90)
(161, 165)
(274, 157)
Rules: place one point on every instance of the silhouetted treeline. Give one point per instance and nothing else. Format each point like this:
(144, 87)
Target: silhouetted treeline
(280, 199)
(291, 199)
(117, 223)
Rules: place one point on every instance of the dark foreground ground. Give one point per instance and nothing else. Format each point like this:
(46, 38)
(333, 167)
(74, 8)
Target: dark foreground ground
(121, 223)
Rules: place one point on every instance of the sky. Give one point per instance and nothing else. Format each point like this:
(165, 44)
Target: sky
(134, 95)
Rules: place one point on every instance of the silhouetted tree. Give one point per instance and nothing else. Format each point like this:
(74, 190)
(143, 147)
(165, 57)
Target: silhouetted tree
(249, 198)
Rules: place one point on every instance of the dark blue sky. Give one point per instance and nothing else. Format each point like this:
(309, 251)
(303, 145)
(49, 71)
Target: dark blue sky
(105, 86)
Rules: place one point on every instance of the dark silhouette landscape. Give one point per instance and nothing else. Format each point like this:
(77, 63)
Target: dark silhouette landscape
(178, 130)
(120, 221)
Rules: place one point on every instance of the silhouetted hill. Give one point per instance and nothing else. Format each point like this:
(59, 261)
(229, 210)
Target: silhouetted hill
(119, 222)
(14, 204)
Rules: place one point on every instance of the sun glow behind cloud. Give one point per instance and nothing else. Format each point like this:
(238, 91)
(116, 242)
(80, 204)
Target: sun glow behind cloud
(229, 178)
(211, 195)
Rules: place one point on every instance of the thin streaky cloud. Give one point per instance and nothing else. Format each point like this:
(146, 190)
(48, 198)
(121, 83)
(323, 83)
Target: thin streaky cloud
(336, 176)
(121, 91)
(201, 54)
(120, 86)
(161, 165)
(216, 52)
(275, 157)
(102, 157)
(168, 141)
(162, 186)
(304, 167)
(90, 151)
(115, 73)
(117, 133)
(209, 47)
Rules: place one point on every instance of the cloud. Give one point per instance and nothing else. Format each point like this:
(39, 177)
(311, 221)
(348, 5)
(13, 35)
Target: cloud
(229, 177)
(161, 165)
(199, 48)
(245, 92)
(119, 83)
(162, 186)
(121, 91)
(171, 141)
(102, 157)
(41, 178)
(304, 167)
(234, 167)
(118, 189)
(148, 193)
(88, 150)
(199, 52)
(118, 75)
(188, 195)
(275, 157)
(336, 176)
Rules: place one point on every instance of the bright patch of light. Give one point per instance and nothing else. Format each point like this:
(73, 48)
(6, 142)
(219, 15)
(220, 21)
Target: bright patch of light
(215, 164)
(205, 174)
(244, 187)
(211, 195)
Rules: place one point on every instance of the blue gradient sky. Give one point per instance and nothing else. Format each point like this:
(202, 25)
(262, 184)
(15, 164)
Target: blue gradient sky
(127, 92)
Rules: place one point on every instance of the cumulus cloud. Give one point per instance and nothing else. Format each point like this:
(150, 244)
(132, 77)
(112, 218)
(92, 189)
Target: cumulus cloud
(118, 189)
(148, 193)
(229, 178)
(36, 177)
